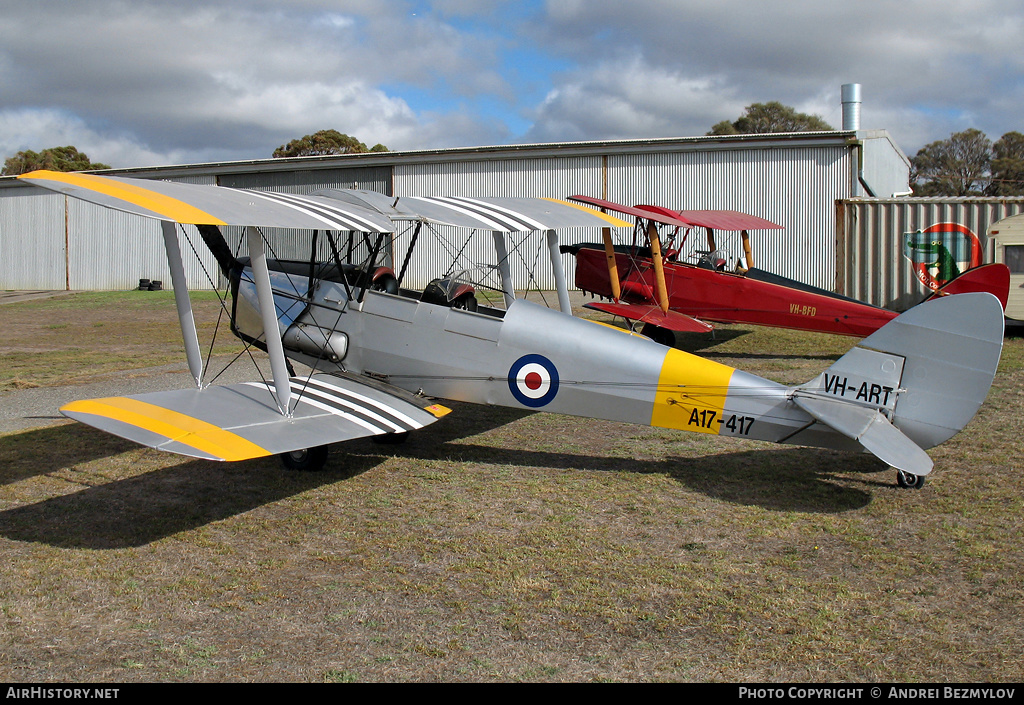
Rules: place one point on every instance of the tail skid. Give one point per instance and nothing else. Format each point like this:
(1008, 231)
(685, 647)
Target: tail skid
(915, 382)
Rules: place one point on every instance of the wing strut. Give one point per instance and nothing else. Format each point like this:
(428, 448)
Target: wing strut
(748, 255)
(268, 310)
(504, 268)
(613, 270)
(659, 270)
(181, 301)
(559, 272)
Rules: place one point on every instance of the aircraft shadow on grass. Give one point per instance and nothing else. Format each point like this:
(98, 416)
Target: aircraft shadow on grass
(69, 444)
(139, 510)
(695, 342)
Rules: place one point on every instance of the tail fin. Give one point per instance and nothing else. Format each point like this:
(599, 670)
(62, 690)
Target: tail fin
(993, 278)
(915, 382)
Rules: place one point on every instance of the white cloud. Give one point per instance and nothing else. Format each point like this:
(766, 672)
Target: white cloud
(336, 20)
(158, 81)
(234, 80)
(38, 129)
(927, 68)
(627, 98)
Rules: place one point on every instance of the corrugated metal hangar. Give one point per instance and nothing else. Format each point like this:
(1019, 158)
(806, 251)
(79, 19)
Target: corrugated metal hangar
(50, 242)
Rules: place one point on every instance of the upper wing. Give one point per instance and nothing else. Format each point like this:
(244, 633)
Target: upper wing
(659, 216)
(717, 220)
(331, 209)
(482, 213)
(212, 205)
(714, 219)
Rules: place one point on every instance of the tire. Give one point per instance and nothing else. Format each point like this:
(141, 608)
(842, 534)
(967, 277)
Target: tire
(305, 460)
(910, 481)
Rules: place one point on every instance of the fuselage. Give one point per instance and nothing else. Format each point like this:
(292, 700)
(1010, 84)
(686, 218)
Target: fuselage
(728, 297)
(535, 358)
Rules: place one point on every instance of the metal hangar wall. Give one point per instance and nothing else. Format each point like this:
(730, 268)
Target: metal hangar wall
(795, 179)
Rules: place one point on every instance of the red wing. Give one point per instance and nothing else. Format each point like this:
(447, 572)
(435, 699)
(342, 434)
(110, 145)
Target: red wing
(659, 217)
(672, 320)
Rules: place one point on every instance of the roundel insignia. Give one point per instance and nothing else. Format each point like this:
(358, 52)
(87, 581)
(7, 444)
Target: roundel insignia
(533, 380)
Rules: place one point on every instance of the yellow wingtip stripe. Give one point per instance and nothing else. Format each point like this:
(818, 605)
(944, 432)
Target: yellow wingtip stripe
(171, 208)
(176, 426)
(610, 219)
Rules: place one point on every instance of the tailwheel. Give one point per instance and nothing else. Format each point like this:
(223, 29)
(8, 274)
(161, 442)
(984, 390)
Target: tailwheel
(908, 480)
(305, 460)
(658, 334)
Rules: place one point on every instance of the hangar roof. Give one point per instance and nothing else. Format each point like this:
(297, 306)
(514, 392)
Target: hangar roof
(514, 151)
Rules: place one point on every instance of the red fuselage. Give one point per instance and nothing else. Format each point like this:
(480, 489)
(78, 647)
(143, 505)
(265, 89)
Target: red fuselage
(728, 297)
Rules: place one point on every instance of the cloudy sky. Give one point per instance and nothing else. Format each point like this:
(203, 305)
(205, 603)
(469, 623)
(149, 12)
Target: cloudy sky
(146, 82)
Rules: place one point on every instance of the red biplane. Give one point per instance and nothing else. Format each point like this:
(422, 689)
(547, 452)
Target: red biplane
(649, 285)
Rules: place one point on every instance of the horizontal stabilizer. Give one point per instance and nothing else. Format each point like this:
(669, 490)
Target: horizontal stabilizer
(871, 429)
(242, 421)
(646, 313)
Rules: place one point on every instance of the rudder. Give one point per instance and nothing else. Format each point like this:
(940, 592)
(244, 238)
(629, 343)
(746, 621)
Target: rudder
(928, 370)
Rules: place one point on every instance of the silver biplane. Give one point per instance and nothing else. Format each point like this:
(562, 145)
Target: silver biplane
(381, 355)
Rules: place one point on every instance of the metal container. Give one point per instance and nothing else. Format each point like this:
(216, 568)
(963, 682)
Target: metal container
(879, 258)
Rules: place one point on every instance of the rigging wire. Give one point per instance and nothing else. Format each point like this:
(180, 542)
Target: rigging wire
(247, 345)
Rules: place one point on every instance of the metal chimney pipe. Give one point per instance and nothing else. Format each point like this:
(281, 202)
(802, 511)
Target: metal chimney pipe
(851, 106)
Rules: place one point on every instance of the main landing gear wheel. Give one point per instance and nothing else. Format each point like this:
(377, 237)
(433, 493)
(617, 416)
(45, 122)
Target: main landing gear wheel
(908, 480)
(305, 460)
(658, 334)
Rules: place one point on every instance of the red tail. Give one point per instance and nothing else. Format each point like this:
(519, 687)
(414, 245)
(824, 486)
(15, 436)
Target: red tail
(993, 278)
